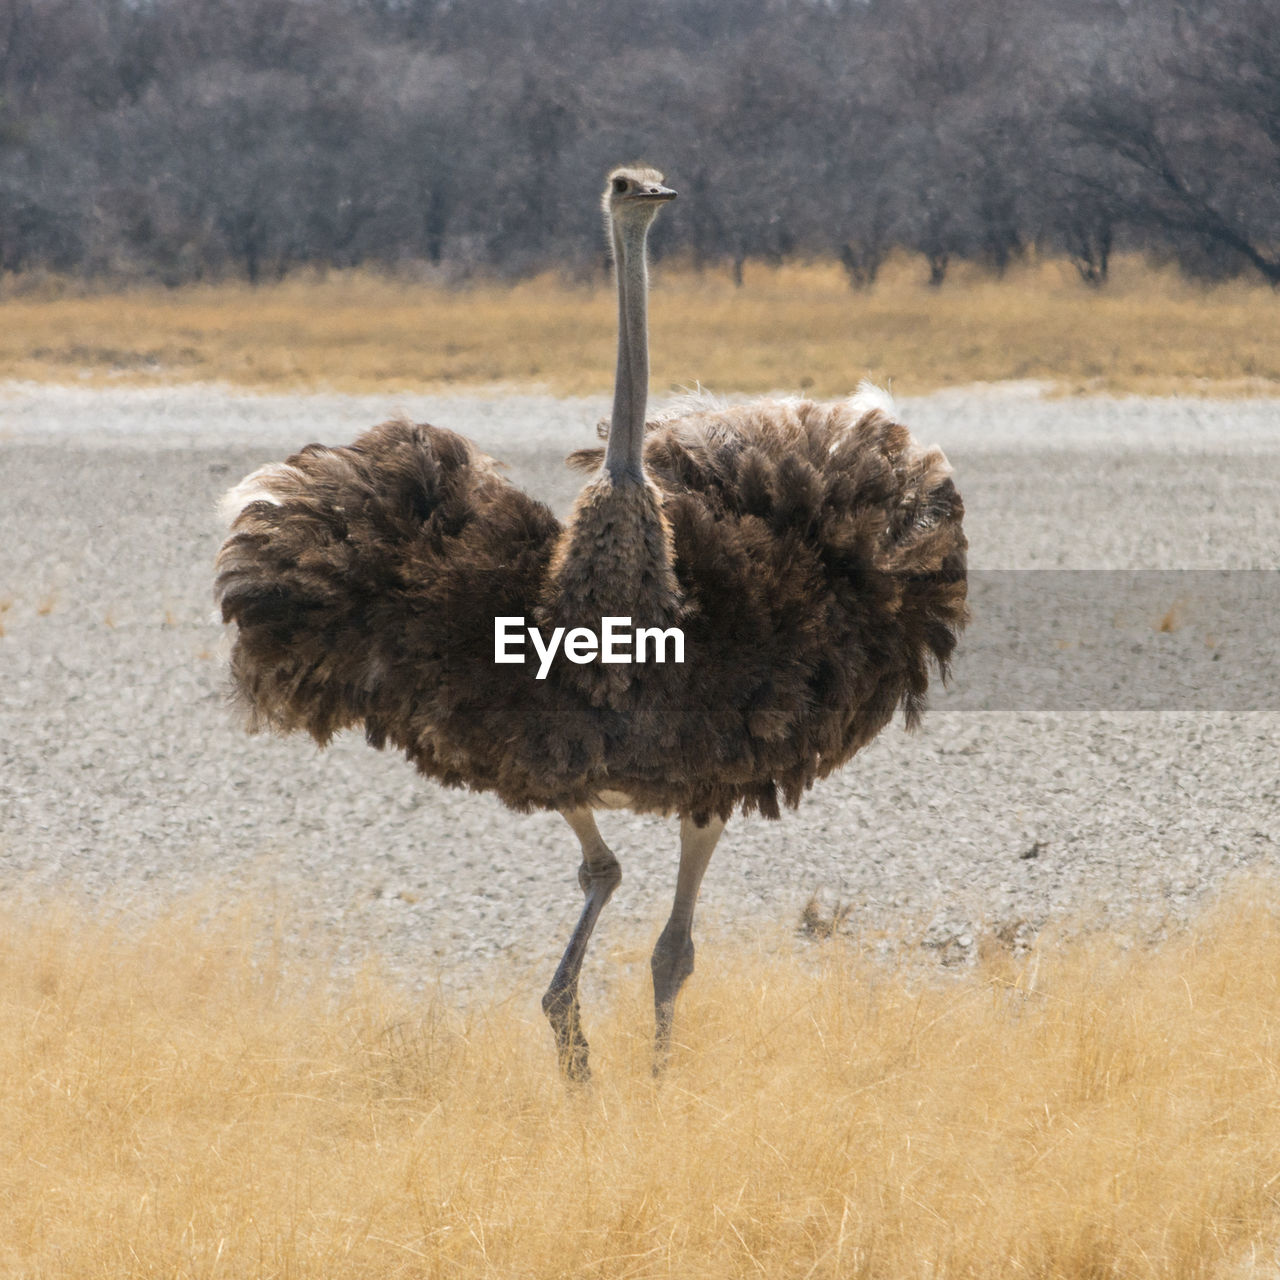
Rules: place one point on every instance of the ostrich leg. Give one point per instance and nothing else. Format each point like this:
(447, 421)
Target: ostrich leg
(672, 960)
(599, 876)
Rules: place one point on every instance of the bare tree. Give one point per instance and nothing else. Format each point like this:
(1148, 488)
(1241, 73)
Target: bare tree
(1193, 118)
(182, 138)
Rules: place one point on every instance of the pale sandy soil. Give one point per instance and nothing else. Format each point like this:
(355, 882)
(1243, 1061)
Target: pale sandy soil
(124, 778)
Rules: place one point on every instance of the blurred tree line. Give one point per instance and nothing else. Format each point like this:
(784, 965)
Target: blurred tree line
(184, 139)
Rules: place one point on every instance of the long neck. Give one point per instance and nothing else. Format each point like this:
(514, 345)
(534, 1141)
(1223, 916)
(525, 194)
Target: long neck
(623, 456)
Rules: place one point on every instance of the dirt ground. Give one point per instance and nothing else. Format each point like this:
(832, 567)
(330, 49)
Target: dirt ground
(1144, 778)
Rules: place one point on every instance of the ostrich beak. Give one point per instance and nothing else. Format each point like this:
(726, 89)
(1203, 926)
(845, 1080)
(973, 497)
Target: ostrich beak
(656, 192)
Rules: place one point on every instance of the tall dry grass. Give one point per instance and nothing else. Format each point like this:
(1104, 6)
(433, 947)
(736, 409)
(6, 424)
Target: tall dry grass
(795, 328)
(185, 1101)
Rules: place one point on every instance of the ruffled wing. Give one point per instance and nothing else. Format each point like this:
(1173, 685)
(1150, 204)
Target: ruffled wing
(363, 582)
(822, 555)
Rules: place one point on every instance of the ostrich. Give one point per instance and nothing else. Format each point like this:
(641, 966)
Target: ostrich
(809, 556)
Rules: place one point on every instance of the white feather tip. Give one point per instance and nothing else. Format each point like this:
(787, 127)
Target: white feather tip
(868, 398)
(253, 488)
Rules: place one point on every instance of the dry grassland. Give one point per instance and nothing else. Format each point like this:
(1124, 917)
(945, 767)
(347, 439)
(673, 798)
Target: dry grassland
(178, 1101)
(796, 328)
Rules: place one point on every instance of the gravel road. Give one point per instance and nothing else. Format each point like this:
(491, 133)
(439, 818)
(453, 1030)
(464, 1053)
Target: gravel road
(123, 777)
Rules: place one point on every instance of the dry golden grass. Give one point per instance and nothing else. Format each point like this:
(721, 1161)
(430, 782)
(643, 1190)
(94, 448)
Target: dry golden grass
(178, 1101)
(792, 328)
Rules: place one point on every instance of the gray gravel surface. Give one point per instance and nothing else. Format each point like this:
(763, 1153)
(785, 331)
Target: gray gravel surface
(124, 778)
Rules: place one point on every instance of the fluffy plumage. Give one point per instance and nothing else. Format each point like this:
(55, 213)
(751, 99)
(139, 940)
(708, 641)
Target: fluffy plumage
(812, 554)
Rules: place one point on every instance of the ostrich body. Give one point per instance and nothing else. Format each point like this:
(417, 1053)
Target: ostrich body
(811, 554)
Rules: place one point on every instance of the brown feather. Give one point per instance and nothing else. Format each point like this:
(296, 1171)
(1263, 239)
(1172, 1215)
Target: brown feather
(812, 554)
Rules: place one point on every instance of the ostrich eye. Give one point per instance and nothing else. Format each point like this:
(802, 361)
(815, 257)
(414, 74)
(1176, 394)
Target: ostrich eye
(620, 186)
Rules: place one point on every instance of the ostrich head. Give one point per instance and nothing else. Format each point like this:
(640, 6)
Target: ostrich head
(633, 195)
